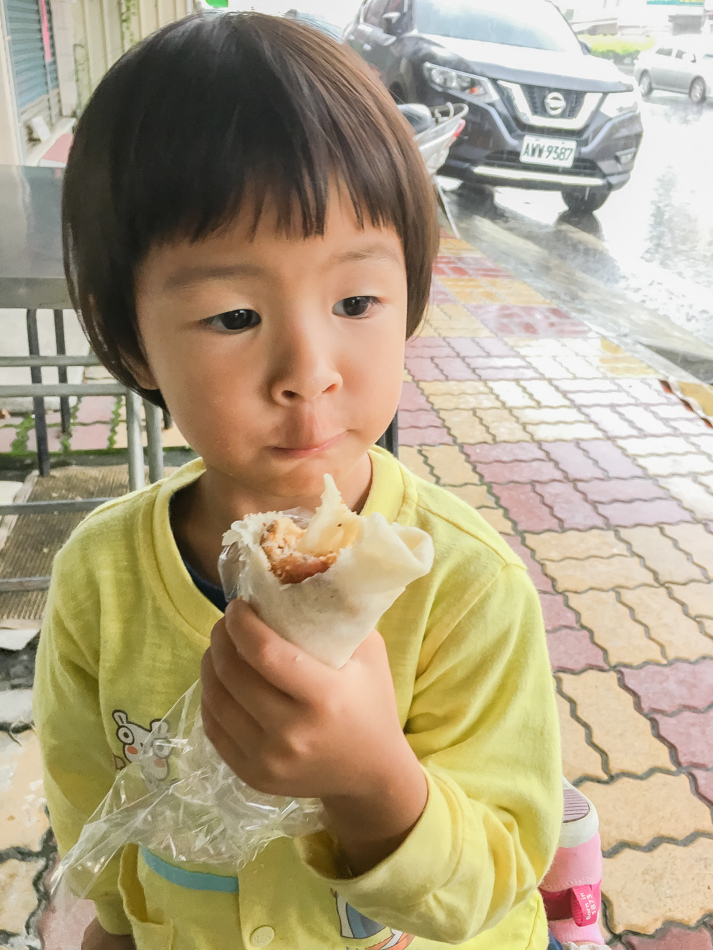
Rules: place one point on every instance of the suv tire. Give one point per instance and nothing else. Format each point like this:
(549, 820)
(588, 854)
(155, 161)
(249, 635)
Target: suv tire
(585, 201)
(646, 87)
(697, 92)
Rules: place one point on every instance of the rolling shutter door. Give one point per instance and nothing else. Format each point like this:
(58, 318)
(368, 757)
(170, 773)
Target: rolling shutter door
(29, 25)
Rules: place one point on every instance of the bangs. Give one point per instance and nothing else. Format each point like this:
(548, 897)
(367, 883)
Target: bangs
(215, 114)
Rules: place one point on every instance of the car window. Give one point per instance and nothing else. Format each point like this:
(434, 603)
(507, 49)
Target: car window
(374, 12)
(526, 23)
(664, 52)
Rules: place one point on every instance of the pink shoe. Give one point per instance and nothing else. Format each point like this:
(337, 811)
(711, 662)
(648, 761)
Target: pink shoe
(571, 889)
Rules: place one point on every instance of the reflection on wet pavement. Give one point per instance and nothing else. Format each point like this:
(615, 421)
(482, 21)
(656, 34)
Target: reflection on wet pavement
(653, 239)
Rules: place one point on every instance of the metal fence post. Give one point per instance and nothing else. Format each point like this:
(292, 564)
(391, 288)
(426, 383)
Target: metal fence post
(61, 370)
(137, 478)
(33, 342)
(155, 440)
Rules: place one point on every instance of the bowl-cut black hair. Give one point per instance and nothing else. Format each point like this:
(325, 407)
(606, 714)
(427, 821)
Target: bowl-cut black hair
(204, 111)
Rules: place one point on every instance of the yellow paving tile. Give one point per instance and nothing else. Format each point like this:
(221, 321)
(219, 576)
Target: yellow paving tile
(455, 247)
(17, 896)
(667, 623)
(555, 546)
(465, 426)
(468, 290)
(479, 497)
(120, 441)
(630, 368)
(549, 415)
(614, 629)
(564, 431)
(691, 495)
(697, 597)
(661, 555)
(599, 573)
(413, 460)
(668, 883)
(442, 387)
(464, 401)
(617, 728)
(496, 518)
(578, 757)
(450, 465)
(173, 438)
(635, 811)
(696, 541)
(22, 818)
(515, 291)
(503, 425)
(406, 376)
(456, 313)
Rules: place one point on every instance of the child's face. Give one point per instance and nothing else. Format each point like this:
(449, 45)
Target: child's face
(279, 358)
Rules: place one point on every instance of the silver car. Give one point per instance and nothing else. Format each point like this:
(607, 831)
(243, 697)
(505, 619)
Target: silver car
(676, 67)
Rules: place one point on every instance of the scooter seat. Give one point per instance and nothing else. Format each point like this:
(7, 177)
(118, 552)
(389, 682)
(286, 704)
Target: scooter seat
(418, 116)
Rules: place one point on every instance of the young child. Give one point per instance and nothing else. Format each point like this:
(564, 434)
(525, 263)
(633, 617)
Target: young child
(249, 235)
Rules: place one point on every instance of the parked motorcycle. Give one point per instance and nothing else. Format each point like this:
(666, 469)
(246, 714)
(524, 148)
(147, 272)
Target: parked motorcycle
(435, 130)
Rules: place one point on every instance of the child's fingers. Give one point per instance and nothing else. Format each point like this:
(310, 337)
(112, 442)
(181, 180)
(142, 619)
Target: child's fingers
(224, 709)
(257, 695)
(280, 662)
(229, 751)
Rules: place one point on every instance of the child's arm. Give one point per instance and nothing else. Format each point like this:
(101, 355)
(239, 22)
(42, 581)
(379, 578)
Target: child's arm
(483, 725)
(78, 763)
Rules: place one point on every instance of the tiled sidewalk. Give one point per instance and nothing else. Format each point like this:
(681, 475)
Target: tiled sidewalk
(603, 482)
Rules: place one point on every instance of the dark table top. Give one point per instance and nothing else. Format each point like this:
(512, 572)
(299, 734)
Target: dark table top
(31, 273)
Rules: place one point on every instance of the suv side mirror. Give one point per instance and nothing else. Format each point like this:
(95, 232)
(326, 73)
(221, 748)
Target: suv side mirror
(390, 22)
(586, 48)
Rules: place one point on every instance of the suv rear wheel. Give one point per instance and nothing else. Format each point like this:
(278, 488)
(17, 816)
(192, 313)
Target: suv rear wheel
(645, 85)
(585, 201)
(698, 92)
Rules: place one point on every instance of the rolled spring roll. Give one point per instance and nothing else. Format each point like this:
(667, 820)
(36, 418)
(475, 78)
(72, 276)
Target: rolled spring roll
(325, 585)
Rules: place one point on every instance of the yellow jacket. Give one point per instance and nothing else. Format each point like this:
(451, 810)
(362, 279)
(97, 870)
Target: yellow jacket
(123, 635)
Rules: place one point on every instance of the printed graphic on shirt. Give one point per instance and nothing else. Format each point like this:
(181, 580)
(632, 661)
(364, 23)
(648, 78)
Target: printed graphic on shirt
(354, 924)
(140, 741)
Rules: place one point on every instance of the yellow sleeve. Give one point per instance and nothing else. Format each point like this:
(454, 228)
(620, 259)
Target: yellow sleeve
(78, 762)
(483, 724)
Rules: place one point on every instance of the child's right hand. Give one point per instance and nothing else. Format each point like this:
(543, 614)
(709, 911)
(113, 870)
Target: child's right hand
(96, 938)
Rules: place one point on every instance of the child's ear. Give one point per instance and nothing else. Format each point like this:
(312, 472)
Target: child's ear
(140, 368)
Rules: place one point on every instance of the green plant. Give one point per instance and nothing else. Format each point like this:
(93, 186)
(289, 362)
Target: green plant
(128, 11)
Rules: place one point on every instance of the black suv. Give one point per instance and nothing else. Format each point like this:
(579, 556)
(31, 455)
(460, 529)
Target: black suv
(543, 112)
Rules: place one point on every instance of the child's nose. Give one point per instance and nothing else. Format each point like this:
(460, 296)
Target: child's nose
(305, 369)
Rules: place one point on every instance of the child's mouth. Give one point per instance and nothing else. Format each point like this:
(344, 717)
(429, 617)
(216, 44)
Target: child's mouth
(303, 450)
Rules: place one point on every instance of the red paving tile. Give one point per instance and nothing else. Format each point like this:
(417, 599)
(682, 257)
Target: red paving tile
(534, 471)
(526, 508)
(413, 398)
(704, 783)
(621, 489)
(611, 458)
(667, 689)
(428, 346)
(429, 436)
(533, 320)
(691, 734)
(571, 650)
(465, 346)
(570, 506)
(90, 437)
(54, 439)
(423, 369)
(537, 575)
(419, 418)
(96, 409)
(657, 511)
(672, 938)
(505, 452)
(440, 295)
(454, 368)
(574, 461)
(556, 612)
(8, 434)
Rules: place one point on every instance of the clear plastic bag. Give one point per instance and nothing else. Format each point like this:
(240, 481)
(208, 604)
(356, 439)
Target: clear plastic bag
(180, 800)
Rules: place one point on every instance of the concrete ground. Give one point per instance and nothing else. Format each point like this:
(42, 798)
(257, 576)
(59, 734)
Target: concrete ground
(601, 478)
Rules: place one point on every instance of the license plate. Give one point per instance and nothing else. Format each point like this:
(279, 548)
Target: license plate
(543, 150)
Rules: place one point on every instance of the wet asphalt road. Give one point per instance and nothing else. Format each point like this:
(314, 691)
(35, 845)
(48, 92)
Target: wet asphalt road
(650, 246)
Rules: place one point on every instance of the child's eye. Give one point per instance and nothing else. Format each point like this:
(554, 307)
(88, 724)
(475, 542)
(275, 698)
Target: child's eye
(354, 306)
(233, 321)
